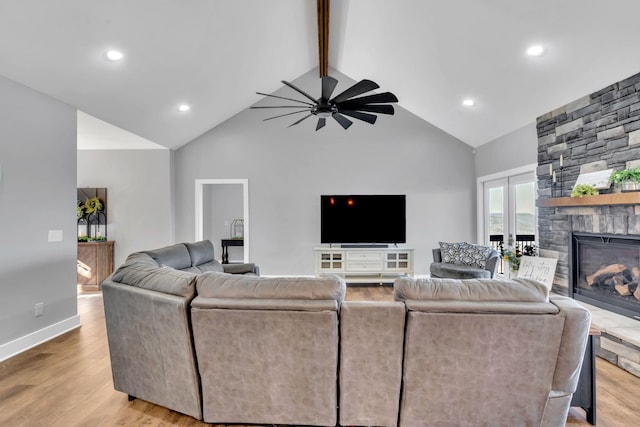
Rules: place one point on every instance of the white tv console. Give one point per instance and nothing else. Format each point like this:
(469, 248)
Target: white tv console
(365, 264)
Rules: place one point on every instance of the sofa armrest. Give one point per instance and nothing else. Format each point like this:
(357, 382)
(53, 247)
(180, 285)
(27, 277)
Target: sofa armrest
(574, 341)
(241, 268)
(492, 263)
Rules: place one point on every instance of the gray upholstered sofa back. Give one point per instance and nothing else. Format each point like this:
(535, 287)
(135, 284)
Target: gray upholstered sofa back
(505, 339)
(268, 348)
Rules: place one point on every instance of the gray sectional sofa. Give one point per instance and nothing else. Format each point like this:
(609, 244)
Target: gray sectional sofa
(254, 350)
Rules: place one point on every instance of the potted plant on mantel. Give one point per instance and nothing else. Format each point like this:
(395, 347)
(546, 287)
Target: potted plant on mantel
(627, 179)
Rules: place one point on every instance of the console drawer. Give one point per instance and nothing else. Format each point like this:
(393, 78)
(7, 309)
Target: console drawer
(366, 266)
(364, 256)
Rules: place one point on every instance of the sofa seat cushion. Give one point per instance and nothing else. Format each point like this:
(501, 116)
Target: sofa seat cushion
(455, 271)
(142, 271)
(222, 285)
(213, 265)
(477, 290)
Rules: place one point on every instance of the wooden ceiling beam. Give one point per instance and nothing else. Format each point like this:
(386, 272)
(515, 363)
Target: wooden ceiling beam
(323, 37)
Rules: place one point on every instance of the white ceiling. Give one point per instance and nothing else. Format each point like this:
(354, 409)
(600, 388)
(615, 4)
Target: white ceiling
(215, 54)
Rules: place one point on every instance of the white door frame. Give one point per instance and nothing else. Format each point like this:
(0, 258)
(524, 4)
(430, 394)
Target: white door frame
(480, 194)
(200, 183)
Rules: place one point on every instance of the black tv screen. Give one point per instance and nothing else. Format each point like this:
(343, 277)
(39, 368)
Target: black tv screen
(363, 219)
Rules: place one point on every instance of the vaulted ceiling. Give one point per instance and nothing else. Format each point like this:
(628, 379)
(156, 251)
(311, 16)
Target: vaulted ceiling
(215, 54)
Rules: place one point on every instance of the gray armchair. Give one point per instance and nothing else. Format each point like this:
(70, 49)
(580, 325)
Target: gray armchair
(446, 270)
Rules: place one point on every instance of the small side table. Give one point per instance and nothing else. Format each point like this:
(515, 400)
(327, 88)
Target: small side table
(585, 395)
(225, 245)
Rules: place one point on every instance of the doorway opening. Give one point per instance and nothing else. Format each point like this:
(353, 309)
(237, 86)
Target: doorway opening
(220, 205)
(507, 211)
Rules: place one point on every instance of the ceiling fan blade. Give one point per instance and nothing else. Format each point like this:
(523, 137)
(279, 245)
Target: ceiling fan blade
(257, 107)
(288, 114)
(328, 86)
(321, 122)
(344, 122)
(300, 91)
(357, 89)
(365, 117)
(377, 98)
(382, 109)
(282, 97)
(304, 118)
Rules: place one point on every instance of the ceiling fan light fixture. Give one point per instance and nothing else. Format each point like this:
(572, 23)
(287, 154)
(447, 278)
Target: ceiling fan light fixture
(348, 103)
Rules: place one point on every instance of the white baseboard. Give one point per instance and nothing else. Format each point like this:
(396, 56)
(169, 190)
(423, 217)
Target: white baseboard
(33, 339)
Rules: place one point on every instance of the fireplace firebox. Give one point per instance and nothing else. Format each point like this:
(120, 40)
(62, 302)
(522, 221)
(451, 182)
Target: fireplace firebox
(604, 271)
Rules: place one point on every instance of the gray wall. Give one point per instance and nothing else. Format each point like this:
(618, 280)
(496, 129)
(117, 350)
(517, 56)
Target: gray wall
(515, 149)
(37, 194)
(289, 168)
(138, 186)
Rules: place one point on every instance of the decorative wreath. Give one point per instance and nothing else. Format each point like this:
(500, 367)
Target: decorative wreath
(92, 205)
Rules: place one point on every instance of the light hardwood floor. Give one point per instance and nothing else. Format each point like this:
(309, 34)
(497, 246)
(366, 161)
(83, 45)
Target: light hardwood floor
(66, 382)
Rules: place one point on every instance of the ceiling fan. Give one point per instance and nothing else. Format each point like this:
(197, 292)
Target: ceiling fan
(344, 104)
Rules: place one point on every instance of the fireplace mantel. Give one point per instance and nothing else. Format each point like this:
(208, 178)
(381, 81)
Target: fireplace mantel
(630, 198)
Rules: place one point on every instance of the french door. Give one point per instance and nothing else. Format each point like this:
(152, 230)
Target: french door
(509, 217)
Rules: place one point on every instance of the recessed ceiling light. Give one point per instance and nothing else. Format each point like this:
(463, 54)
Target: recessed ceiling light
(536, 50)
(468, 102)
(114, 55)
(183, 108)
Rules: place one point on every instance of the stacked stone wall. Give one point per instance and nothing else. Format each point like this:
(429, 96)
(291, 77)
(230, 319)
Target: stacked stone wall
(603, 126)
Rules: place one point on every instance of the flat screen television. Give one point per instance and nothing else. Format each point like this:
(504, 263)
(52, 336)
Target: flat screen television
(363, 219)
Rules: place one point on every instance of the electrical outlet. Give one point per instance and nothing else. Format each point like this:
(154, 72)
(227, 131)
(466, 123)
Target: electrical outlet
(39, 310)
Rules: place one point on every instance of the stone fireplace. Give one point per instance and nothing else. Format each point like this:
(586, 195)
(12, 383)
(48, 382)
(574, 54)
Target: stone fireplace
(598, 131)
(604, 270)
(601, 129)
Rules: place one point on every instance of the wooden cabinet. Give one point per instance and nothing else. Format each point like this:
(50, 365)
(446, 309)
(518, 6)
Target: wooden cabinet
(364, 265)
(95, 263)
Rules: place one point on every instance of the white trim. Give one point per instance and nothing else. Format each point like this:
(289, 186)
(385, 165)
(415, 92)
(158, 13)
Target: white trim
(199, 208)
(480, 192)
(22, 344)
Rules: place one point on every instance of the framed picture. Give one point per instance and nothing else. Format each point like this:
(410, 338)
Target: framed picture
(537, 268)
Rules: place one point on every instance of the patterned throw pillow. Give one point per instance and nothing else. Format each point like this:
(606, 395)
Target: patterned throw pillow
(476, 255)
(464, 253)
(452, 252)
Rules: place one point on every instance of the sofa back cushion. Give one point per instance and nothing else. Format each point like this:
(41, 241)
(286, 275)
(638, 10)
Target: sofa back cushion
(175, 256)
(142, 271)
(200, 252)
(220, 285)
(478, 290)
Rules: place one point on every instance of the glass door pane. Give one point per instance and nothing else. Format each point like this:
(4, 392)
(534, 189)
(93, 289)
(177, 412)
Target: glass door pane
(496, 213)
(510, 214)
(522, 191)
